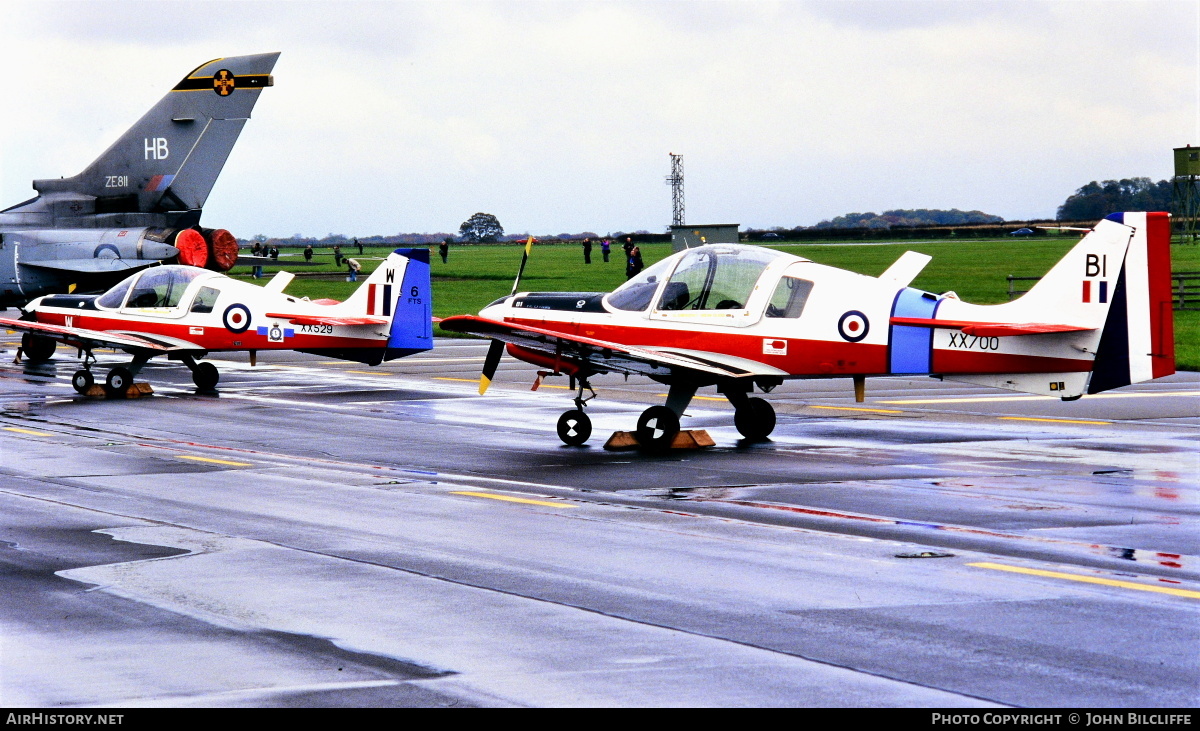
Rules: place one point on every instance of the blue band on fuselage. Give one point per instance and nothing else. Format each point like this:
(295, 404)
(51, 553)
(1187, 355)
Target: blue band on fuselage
(910, 349)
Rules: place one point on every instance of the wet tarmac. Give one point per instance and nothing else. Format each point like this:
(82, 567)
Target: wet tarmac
(320, 533)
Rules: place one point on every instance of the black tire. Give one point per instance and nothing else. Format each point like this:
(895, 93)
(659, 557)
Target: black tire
(119, 379)
(574, 427)
(83, 380)
(37, 347)
(656, 429)
(206, 376)
(755, 420)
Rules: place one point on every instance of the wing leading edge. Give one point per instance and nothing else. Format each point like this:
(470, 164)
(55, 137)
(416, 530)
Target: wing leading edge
(97, 339)
(600, 356)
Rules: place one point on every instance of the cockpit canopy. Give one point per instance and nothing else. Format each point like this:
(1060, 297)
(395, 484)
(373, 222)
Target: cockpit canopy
(162, 286)
(713, 277)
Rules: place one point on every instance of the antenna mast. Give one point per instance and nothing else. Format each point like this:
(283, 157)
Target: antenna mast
(675, 180)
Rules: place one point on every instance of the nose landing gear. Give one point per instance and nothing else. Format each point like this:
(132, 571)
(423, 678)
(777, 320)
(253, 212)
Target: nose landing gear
(574, 426)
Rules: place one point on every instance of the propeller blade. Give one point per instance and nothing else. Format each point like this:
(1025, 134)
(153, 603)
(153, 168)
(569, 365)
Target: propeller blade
(521, 270)
(489, 365)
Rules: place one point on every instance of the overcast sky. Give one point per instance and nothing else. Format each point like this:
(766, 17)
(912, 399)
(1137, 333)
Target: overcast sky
(391, 117)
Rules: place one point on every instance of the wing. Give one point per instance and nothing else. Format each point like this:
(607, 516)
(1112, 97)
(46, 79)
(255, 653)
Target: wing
(990, 329)
(318, 320)
(602, 356)
(88, 339)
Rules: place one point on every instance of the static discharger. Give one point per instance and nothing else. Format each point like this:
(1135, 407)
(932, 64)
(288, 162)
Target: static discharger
(685, 439)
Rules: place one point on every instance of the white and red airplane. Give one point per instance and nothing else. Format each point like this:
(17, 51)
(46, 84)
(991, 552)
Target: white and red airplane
(740, 317)
(185, 312)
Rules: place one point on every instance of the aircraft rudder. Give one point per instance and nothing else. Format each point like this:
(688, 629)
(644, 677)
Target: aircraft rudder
(1138, 339)
(412, 321)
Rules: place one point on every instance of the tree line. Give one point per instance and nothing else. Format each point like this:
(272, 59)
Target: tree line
(1089, 203)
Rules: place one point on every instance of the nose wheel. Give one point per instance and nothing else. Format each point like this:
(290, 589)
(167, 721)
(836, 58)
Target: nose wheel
(574, 427)
(83, 380)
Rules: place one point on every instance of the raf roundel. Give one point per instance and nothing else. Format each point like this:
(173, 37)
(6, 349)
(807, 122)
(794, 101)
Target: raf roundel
(853, 326)
(237, 318)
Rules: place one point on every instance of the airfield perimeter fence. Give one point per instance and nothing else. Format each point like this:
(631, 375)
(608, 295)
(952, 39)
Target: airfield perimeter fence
(1185, 289)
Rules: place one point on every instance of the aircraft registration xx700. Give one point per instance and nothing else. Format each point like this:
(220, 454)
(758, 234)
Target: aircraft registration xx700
(740, 317)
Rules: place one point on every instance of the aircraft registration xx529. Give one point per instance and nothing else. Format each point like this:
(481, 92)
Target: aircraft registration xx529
(740, 317)
(185, 312)
(140, 202)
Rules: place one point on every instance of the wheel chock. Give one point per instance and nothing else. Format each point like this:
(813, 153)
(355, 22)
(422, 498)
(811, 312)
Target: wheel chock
(685, 439)
(96, 391)
(138, 390)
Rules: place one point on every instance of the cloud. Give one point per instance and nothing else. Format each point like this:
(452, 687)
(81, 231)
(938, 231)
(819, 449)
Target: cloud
(405, 116)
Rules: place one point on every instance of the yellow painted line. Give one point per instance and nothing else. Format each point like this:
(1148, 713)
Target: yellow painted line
(508, 499)
(464, 380)
(1090, 579)
(855, 408)
(216, 461)
(998, 399)
(27, 431)
(698, 398)
(1057, 421)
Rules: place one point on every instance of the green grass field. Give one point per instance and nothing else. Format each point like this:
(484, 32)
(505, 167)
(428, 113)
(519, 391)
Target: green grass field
(976, 270)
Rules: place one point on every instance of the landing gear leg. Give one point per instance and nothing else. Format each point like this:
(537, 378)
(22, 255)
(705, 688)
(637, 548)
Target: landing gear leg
(574, 426)
(753, 417)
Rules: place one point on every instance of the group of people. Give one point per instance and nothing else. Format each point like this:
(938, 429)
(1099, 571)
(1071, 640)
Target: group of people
(264, 250)
(633, 255)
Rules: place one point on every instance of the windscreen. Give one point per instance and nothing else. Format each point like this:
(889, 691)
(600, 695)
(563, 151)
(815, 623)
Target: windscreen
(636, 294)
(715, 278)
(162, 286)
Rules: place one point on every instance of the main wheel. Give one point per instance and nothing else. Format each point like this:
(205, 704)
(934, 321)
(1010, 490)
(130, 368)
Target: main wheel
(656, 428)
(755, 420)
(118, 380)
(574, 427)
(37, 347)
(82, 380)
(206, 376)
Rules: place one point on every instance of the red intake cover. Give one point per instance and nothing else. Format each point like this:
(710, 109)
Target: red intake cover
(224, 250)
(193, 249)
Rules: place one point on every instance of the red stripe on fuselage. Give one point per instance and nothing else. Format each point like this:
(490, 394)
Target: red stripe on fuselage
(215, 338)
(1162, 317)
(969, 361)
(808, 357)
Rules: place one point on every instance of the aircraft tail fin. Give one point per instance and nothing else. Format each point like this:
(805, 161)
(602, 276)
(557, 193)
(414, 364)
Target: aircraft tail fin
(1115, 283)
(169, 159)
(1138, 340)
(399, 289)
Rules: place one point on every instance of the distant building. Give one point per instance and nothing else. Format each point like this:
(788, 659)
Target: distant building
(687, 237)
